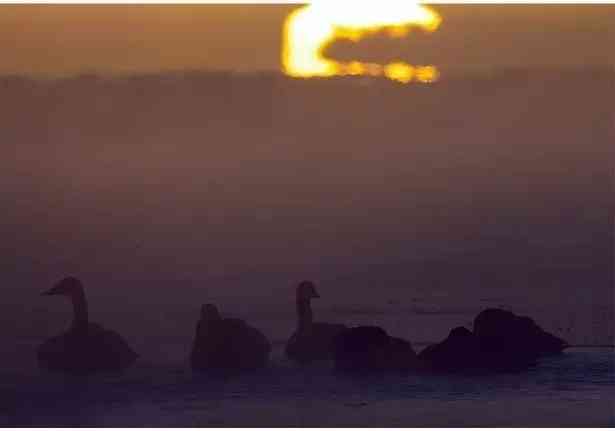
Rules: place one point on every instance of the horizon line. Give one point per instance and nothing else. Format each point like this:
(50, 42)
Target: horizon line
(449, 71)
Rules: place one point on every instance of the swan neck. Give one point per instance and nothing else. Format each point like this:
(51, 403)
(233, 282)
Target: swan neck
(80, 310)
(304, 313)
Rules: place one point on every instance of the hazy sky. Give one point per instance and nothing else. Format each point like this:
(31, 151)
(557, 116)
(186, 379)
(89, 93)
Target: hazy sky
(62, 39)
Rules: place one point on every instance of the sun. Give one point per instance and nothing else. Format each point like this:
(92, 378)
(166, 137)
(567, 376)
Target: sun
(311, 28)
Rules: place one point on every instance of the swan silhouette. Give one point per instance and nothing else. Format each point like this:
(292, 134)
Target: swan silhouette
(227, 345)
(86, 347)
(501, 341)
(312, 340)
(370, 349)
(459, 352)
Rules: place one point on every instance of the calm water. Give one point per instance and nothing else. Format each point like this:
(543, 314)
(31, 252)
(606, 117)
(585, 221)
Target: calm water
(160, 390)
(574, 389)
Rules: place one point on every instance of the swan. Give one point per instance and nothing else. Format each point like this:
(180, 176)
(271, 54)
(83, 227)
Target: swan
(500, 330)
(459, 352)
(86, 347)
(311, 340)
(227, 345)
(501, 341)
(371, 349)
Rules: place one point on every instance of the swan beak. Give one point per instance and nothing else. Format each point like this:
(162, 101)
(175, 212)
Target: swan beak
(52, 291)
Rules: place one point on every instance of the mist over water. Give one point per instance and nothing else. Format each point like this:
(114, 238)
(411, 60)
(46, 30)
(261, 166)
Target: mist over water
(412, 207)
(572, 390)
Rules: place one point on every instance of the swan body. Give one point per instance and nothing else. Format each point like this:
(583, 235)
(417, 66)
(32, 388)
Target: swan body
(227, 345)
(313, 344)
(93, 350)
(500, 330)
(458, 352)
(501, 341)
(86, 348)
(370, 349)
(311, 341)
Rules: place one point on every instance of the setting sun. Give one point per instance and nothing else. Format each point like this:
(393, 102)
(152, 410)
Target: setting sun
(311, 28)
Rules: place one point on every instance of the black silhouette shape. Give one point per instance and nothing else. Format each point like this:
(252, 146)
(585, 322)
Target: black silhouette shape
(311, 341)
(458, 352)
(500, 330)
(501, 341)
(367, 349)
(86, 348)
(227, 346)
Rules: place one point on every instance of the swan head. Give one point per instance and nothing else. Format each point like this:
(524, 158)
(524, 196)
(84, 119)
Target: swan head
(69, 286)
(210, 312)
(306, 290)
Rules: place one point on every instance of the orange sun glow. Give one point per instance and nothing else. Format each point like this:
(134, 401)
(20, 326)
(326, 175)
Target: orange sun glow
(311, 28)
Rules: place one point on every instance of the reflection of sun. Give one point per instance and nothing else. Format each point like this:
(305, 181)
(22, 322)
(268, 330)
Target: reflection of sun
(311, 28)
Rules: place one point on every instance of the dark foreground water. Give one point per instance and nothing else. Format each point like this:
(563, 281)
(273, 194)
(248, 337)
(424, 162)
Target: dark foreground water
(575, 389)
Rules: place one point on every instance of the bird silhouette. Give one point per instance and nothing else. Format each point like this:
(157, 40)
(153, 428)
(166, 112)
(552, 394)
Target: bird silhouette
(86, 347)
(367, 349)
(227, 345)
(311, 341)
